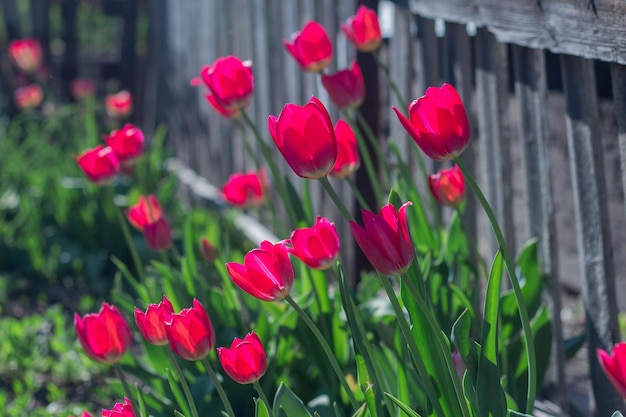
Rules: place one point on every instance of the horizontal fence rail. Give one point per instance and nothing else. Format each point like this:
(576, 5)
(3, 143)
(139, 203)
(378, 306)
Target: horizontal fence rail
(542, 154)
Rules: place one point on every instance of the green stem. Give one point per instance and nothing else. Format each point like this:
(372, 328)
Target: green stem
(373, 140)
(367, 161)
(263, 397)
(333, 195)
(131, 244)
(472, 245)
(391, 82)
(413, 349)
(278, 180)
(122, 377)
(357, 194)
(327, 350)
(517, 291)
(218, 387)
(247, 144)
(183, 382)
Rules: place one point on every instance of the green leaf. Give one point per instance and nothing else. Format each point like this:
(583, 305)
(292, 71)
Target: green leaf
(178, 414)
(289, 403)
(178, 395)
(360, 412)
(574, 343)
(140, 289)
(617, 414)
(188, 264)
(491, 398)
(141, 402)
(260, 408)
(370, 399)
(402, 406)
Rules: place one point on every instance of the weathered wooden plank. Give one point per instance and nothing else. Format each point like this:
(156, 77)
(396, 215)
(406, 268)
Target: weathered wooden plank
(493, 123)
(618, 80)
(11, 19)
(593, 233)
(461, 62)
(530, 89)
(562, 26)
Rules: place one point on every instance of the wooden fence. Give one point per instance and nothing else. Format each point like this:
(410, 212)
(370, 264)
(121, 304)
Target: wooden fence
(541, 153)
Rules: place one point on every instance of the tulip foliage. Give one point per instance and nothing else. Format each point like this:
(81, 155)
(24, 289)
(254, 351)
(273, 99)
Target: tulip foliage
(279, 327)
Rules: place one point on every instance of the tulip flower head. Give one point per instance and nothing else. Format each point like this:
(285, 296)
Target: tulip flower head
(448, 186)
(190, 333)
(245, 190)
(208, 250)
(266, 272)
(614, 366)
(346, 88)
(127, 144)
(245, 362)
(311, 47)
(363, 30)
(99, 164)
(119, 105)
(348, 157)
(384, 239)
(317, 246)
(82, 88)
(305, 137)
(105, 336)
(438, 123)
(28, 97)
(124, 409)
(26, 54)
(147, 217)
(230, 82)
(151, 323)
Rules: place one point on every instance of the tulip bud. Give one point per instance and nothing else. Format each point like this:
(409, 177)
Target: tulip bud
(28, 97)
(348, 157)
(384, 239)
(266, 272)
(190, 333)
(105, 336)
(363, 30)
(448, 186)
(346, 88)
(231, 83)
(127, 144)
(438, 123)
(305, 137)
(26, 54)
(317, 246)
(245, 361)
(99, 164)
(208, 250)
(151, 324)
(119, 105)
(311, 47)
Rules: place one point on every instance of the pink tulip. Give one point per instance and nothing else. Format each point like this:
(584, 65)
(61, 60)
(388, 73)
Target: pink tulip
(311, 47)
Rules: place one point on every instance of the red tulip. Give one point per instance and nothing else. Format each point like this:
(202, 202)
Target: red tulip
(363, 30)
(82, 88)
(28, 97)
(245, 190)
(26, 54)
(448, 186)
(83, 414)
(151, 323)
(348, 157)
(120, 410)
(119, 105)
(127, 144)
(438, 123)
(208, 250)
(245, 362)
(317, 246)
(614, 366)
(385, 240)
(346, 88)
(190, 332)
(306, 138)
(266, 272)
(221, 110)
(311, 47)
(105, 336)
(99, 164)
(147, 211)
(147, 217)
(230, 82)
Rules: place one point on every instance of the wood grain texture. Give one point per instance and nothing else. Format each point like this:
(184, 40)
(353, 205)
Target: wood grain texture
(563, 26)
(593, 233)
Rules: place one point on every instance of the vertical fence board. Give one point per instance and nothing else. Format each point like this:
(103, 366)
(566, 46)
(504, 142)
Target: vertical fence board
(618, 80)
(461, 62)
(493, 123)
(530, 90)
(592, 222)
